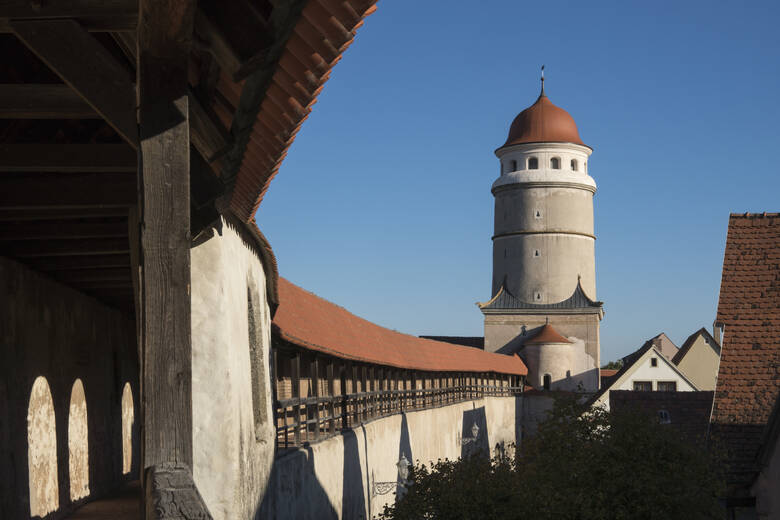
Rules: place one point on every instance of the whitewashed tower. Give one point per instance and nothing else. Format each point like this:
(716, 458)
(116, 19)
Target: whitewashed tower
(544, 268)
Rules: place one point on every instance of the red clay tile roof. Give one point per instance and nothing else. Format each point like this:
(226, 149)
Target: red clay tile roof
(608, 372)
(749, 307)
(311, 322)
(543, 122)
(322, 33)
(546, 335)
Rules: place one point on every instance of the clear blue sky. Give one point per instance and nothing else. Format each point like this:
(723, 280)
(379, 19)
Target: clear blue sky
(383, 204)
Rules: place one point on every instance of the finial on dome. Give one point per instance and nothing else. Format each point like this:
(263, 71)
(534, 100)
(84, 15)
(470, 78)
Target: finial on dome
(542, 93)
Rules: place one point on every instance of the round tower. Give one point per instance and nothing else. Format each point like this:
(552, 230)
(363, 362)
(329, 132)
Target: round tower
(549, 359)
(544, 241)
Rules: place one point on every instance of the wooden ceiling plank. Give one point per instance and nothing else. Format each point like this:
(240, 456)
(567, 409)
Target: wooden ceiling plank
(95, 275)
(31, 215)
(48, 248)
(109, 158)
(101, 190)
(33, 101)
(73, 263)
(83, 63)
(66, 229)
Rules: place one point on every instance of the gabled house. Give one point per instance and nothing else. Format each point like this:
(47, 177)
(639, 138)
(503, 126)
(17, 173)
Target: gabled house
(647, 369)
(664, 345)
(698, 359)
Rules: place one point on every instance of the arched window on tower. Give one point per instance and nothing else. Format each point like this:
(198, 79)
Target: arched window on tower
(546, 381)
(533, 163)
(555, 163)
(513, 166)
(574, 164)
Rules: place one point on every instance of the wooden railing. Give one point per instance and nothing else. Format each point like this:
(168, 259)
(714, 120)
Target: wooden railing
(309, 418)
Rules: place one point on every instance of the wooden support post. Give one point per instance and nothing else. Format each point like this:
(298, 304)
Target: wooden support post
(164, 35)
(295, 379)
(315, 384)
(364, 388)
(332, 394)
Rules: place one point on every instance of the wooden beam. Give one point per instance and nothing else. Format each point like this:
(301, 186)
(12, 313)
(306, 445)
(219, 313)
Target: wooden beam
(65, 229)
(67, 190)
(83, 63)
(30, 215)
(72, 263)
(46, 248)
(33, 101)
(98, 16)
(116, 158)
(208, 135)
(164, 40)
(96, 275)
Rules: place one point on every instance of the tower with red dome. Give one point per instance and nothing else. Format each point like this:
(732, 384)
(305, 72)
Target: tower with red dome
(544, 269)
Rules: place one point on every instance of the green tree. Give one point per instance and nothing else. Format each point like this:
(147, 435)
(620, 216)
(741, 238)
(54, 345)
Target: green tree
(614, 365)
(593, 465)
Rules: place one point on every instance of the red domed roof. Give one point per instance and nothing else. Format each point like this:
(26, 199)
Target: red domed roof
(547, 335)
(543, 122)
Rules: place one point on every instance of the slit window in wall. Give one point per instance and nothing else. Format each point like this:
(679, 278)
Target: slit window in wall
(537, 214)
(533, 163)
(78, 443)
(547, 381)
(42, 450)
(537, 253)
(537, 296)
(256, 325)
(555, 163)
(128, 418)
(574, 164)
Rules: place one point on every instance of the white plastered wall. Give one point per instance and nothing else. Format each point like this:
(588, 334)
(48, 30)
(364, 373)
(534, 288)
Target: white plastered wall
(232, 455)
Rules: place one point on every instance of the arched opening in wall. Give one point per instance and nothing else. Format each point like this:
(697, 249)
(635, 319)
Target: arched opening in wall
(555, 163)
(128, 418)
(547, 381)
(42, 450)
(255, 323)
(513, 166)
(533, 163)
(574, 164)
(78, 443)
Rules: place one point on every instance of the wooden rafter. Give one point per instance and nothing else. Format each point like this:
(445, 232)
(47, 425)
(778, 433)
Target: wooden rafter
(62, 229)
(46, 248)
(81, 190)
(25, 101)
(27, 215)
(86, 65)
(70, 263)
(96, 16)
(115, 158)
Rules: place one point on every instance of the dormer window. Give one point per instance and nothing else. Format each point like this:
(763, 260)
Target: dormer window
(574, 165)
(555, 163)
(533, 163)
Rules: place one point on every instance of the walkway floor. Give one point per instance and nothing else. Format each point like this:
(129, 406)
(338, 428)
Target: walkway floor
(124, 505)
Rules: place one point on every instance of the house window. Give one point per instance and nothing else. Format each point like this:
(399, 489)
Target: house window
(667, 386)
(533, 163)
(664, 417)
(574, 164)
(546, 381)
(555, 163)
(653, 362)
(643, 386)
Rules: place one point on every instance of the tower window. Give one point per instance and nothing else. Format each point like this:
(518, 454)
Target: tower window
(568, 374)
(546, 381)
(574, 164)
(513, 166)
(555, 163)
(537, 296)
(536, 252)
(537, 214)
(533, 163)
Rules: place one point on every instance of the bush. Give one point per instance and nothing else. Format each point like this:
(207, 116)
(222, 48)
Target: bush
(592, 465)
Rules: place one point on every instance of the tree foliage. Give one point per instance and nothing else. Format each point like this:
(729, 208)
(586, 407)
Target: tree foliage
(614, 365)
(596, 465)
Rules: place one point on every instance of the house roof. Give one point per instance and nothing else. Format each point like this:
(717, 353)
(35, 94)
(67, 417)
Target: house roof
(546, 334)
(310, 322)
(630, 361)
(749, 308)
(466, 341)
(689, 411)
(503, 300)
(689, 343)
